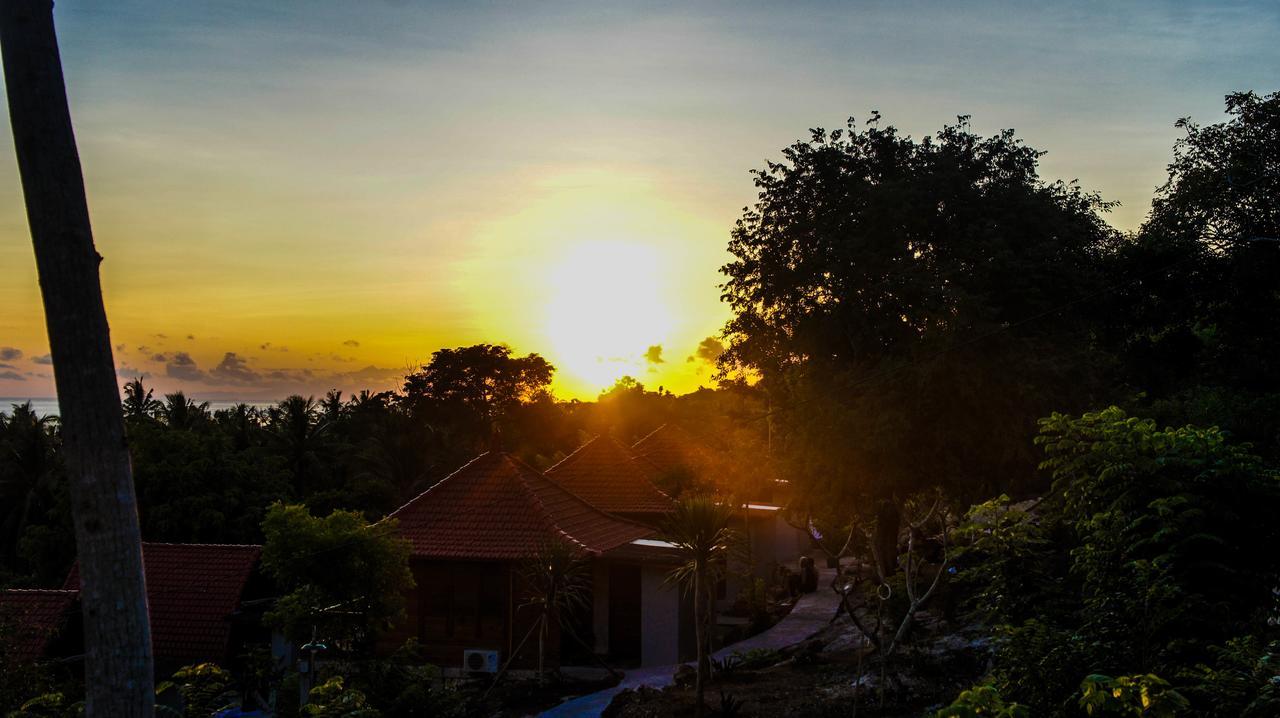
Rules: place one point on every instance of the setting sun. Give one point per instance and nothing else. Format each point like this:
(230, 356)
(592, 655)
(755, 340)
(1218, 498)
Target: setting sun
(607, 307)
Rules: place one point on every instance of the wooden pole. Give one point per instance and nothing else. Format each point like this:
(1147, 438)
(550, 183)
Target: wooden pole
(119, 671)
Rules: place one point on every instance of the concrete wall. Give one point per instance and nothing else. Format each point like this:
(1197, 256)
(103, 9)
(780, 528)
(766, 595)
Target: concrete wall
(660, 616)
(600, 606)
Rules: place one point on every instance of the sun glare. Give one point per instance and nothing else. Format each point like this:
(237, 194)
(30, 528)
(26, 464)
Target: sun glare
(607, 306)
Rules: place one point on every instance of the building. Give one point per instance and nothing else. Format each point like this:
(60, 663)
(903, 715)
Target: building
(609, 477)
(195, 596)
(472, 534)
(770, 538)
(40, 624)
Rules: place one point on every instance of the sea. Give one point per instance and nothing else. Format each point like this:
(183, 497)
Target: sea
(48, 406)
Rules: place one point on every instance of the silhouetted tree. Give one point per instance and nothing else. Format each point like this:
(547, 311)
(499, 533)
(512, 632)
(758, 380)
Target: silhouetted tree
(700, 529)
(888, 292)
(1193, 318)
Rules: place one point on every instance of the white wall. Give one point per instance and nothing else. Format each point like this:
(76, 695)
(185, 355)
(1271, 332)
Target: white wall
(600, 605)
(660, 618)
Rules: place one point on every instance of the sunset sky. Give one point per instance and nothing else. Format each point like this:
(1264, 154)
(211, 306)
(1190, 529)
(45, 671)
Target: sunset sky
(294, 196)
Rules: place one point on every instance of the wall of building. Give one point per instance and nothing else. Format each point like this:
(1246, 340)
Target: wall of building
(660, 615)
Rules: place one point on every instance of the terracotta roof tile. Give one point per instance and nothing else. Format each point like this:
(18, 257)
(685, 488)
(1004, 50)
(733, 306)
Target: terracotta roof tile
(669, 447)
(499, 508)
(192, 590)
(32, 618)
(607, 475)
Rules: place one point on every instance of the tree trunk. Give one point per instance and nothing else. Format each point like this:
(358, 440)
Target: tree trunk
(119, 674)
(888, 524)
(701, 637)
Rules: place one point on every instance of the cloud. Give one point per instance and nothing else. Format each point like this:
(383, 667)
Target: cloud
(160, 357)
(191, 337)
(7, 366)
(160, 336)
(121, 348)
(45, 359)
(10, 353)
(653, 354)
(131, 372)
(182, 366)
(235, 369)
(351, 343)
(15, 376)
(268, 346)
(709, 350)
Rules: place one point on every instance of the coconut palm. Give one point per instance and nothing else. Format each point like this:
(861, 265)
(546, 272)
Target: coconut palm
(700, 529)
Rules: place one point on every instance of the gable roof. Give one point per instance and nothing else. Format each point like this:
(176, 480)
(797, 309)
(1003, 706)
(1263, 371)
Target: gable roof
(192, 590)
(32, 618)
(496, 507)
(605, 473)
(670, 447)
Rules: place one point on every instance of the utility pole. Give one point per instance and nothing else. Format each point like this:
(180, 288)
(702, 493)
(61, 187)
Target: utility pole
(119, 669)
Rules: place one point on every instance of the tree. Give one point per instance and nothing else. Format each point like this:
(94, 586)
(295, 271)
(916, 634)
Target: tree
(1193, 316)
(341, 576)
(119, 670)
(557, 582)
(485, 378)
(474, 397)
(1150, 553)
(887, 291)
(700, 529)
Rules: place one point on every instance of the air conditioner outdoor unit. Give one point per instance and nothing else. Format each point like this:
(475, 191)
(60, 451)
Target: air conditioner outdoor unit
(475, 660)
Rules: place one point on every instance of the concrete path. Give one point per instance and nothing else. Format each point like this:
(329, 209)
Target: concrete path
(810, 615)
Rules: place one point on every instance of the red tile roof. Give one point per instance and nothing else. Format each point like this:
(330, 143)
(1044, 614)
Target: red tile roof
(499, 508)
(192, 590)
(32, 618)
(670, 447)
(605, 473)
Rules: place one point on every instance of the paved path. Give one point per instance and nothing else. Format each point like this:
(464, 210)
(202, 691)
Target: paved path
(810, 615)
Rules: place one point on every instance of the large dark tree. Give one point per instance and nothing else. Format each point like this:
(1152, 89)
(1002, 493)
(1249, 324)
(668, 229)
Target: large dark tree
(119, 670)
(1194, 320)
(472, 395)
(912, 307)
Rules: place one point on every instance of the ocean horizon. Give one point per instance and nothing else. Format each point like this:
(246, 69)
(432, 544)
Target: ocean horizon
(48, 406)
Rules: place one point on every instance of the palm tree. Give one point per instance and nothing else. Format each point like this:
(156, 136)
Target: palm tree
(119, 668)
(700, 529)
(140, 403)
(28, 463)
(299, 431)
(556, 578)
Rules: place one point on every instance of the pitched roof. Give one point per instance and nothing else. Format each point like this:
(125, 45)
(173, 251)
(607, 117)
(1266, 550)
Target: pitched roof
(670, 447)
(497, 507)
(605, 473)
(32, 618)
(192, 590)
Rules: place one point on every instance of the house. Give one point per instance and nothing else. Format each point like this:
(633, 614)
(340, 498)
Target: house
(39, 624)
(609, 477)
(473, 532)
(771, 539)
(195, 593)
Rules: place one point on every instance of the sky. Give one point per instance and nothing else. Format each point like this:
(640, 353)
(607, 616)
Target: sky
(300, 195)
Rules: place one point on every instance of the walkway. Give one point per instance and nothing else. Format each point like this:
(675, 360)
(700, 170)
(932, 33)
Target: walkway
(810, 615)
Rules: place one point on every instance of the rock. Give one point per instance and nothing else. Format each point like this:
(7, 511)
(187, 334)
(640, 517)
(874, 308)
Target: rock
(685, 675)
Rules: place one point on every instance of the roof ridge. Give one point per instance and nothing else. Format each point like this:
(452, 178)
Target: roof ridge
(50, 591)
(573, 455)
(434, 486)
(202, 545)
(548, 518)
(645, 438)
